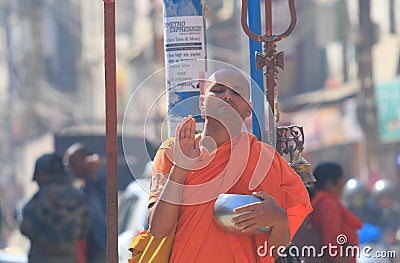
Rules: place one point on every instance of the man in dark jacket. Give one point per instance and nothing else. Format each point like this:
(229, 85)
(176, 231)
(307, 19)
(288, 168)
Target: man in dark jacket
(88, 167)
(56, 218)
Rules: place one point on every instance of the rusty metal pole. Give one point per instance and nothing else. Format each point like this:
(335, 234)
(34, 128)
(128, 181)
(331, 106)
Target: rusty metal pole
(269, 47)
(270, 74)
(111, 131)
(270, 59)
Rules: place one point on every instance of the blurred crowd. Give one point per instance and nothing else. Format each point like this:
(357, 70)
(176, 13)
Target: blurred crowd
(68, 211)
(348, 213)
(378, 208)
(65, 220)
(10, 192)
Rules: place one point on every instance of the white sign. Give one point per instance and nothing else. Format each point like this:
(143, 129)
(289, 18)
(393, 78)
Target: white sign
(183, 45)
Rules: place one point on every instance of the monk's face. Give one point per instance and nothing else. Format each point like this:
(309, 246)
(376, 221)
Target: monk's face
(226, 96)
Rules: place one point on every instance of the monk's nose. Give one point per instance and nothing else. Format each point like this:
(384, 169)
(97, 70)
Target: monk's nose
(228, 94)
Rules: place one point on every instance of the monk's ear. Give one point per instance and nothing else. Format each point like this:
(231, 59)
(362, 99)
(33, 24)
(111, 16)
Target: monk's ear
(250, 109)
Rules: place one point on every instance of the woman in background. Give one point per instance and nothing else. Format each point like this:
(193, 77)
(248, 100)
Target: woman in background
(336, 224)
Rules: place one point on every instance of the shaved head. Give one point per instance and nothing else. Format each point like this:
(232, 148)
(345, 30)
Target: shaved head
(233, 79)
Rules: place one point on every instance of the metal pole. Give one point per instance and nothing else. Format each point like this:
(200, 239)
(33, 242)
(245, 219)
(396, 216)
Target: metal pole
(269, 47)
(258, 117)
(185, 54)
(111, 131)
(269, 79)
(269, 60)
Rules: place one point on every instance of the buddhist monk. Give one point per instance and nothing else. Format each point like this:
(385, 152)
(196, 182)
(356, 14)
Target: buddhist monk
(190, 171)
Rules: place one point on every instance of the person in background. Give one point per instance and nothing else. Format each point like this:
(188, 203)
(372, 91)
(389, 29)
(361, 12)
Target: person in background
(356, 197)
(330, 216)
(56, 219)
(88, 167)
(384, 199)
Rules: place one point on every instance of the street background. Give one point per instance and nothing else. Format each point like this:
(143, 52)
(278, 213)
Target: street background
(341, 82)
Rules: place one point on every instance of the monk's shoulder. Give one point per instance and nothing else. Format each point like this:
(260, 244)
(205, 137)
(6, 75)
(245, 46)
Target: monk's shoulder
(264, 149)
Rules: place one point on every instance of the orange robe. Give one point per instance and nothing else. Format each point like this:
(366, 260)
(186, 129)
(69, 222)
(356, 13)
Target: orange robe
(241, 166)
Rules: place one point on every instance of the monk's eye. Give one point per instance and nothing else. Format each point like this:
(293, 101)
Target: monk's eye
(217, 91)
(236, 93)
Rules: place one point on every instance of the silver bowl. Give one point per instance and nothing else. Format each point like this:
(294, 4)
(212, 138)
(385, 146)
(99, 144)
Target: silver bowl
(223, 211)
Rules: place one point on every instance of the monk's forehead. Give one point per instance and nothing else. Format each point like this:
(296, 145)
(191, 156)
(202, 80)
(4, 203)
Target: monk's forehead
(232, 79)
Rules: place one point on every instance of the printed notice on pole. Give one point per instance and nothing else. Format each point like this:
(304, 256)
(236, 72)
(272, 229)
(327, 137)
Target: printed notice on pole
(184, 45)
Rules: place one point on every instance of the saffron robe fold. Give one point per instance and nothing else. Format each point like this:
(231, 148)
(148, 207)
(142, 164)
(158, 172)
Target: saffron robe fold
(241, 166)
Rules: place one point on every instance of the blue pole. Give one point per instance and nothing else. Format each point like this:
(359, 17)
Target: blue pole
(257, 85)
(185, 54)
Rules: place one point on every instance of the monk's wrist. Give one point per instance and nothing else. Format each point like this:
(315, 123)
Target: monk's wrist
(178, 174)
(281, 217)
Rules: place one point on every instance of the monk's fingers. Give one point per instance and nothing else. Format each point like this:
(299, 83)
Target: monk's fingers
(247, 208)
(265, 204)
(188, 127)
(181, 129)
(264, 196)
(262, 215)
(253, 223)
(257, 214)
(192, 126)
(178, 131)
(249, 228)
(247, 225)
(242, 217)
(197, 144)
(179, 141)
(185, 128)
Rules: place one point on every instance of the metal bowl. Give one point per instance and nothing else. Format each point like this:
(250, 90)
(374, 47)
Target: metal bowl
(223, 211)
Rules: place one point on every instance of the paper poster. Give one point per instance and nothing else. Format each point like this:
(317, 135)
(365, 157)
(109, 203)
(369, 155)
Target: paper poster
(183, 44)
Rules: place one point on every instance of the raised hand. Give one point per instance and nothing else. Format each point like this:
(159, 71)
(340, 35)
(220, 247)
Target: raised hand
(187, 147)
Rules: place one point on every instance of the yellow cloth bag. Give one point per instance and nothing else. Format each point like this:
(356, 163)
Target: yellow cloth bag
(146, 248)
